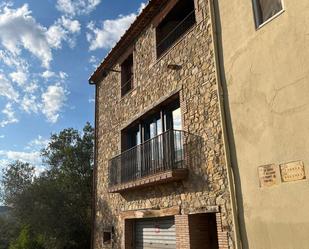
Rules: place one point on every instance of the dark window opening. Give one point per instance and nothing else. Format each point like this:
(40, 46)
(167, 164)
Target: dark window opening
(127, 75)
(159, 120)
(266, 9)
(180, 19)
(107, 237)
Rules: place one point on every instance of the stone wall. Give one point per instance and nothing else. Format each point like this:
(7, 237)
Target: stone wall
(207, 184)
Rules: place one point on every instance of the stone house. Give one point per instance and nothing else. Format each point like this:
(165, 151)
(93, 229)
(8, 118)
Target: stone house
(162, 177)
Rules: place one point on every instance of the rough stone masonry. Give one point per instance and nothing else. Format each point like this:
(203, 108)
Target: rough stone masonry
(195, 81)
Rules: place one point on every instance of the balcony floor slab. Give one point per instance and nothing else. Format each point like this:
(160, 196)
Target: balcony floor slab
(155, 179)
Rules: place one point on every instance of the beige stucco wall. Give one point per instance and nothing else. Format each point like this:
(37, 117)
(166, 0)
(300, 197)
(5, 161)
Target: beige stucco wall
(266, 79)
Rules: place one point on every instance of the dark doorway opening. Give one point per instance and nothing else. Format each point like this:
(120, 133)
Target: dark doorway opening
(203, 231)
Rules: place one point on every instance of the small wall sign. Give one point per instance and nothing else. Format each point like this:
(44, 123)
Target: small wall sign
(293, 171)
(268, 175)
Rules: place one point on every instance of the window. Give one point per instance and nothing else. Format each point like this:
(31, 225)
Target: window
(180, 19)
(266, 9)
(164, 118)
(127, 75)
(107, 237)
(153, 143)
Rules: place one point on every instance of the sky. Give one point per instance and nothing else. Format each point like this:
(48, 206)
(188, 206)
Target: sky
(48, 50)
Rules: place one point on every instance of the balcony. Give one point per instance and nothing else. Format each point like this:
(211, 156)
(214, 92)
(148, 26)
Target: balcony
(159, 160)
(165, 41)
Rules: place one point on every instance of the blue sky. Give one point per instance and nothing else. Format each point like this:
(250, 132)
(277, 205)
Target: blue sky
(48, 49)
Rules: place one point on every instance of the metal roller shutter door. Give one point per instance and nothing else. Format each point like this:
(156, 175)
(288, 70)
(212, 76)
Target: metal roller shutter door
(155, 233)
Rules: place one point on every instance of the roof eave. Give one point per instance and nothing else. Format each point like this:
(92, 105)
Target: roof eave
(138, 26)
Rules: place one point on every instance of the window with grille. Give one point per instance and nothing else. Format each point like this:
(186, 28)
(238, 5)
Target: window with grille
(174, 25)
(127, 75)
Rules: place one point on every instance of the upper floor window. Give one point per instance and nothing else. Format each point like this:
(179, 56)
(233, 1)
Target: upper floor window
(127, 75)
(266, 9)
(178, 20)
(152, 124)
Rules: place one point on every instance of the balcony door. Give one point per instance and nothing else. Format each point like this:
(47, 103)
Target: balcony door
(175, 143)
(154, 142)
(131, 161)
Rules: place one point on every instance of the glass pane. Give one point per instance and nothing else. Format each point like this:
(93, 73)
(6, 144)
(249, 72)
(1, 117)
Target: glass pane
(177, 119)
(159, 126)
(269, 8)
(138, 137)
(153, 130)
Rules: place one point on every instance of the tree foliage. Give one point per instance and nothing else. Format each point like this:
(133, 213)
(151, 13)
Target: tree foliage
(9, 229)
(57, 204)
(17, 177)
(27, 240)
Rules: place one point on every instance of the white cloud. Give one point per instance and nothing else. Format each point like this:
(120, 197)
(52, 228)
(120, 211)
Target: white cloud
(33, 157)
(38, 143)
(31, 154)
(18, 29)
(9, 116)
(29, 104)
(22, 156)
(21, 86)
(6, 89)
(63, 75)
(52, 102)
(2, 136)
(48, 74)
(94, 61)
(110, 31)
(72, 26)
(60, 76)
(77, 7)
(62, 31)
(13, 61)
(19, 77)
(55, 35)
(31, 88)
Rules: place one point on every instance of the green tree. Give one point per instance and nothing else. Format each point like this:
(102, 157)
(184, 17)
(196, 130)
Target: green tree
(27, 240)
(57, 204)
(17, 177)
(8, 230)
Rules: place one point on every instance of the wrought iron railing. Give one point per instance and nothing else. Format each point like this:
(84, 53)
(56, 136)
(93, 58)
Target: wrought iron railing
(176, 33)
(126, 86)
(164, 152)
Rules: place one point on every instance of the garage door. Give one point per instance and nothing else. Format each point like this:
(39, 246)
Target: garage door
(155, 233)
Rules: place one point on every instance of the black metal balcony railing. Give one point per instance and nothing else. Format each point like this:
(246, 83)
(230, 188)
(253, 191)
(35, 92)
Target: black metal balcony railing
(176, 33)
(127, 86)
(162, 153)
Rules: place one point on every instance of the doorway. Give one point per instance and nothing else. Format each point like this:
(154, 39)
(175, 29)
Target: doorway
(203, 231)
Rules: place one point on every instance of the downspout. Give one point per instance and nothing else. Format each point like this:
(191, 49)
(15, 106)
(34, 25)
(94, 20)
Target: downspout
(94, 179)
(226, 142)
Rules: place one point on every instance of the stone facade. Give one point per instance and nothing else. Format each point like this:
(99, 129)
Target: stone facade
(195, 81)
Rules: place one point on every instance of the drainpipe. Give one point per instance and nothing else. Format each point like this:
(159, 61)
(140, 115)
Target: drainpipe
(94, 174)
(222, 106)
